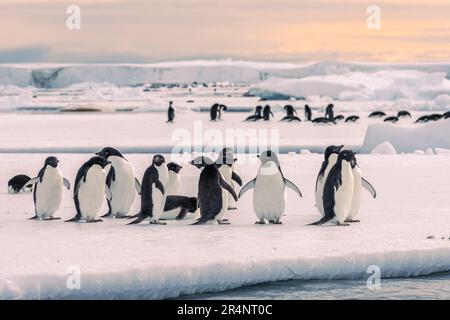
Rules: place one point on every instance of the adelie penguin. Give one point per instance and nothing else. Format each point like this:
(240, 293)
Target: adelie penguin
(403, 113)
(170, 113)
(323, 120)
(153, 191)
(214, 112)
(17, 184)
(225, 163)
(391, 119)
(352, 119)
(330, 155)
(338, 191)
(290, 111)
(308, 113)
(269, 195)
(329, 113)
(213, 192)
(377, 114)
(256, 116)
(90, 189)
(179, 207)
(267, 112)
(122, 182)
(47, 190)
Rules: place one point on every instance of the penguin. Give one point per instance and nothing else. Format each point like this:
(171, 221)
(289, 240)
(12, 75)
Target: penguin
(352, 119)
(329, 113)
(403, 113)
(170, 113)
(290, 111)
(213, 192)
(17, 183)
(269, 195)
(339, 117)
(225, 163)
(89, 189)
(308, 113)
(435, 116)
(179, 207)
(256, 116)
(323, 120)
(153, 194)
(358, 183)
(338, 191)
(213, 112)
(330, 158)
(173, 185)
(423, 119)
(391, 119)
(446, 115)
(377, 114)
(267, 113)
(122, 182)
(47, 190)
(222, 107)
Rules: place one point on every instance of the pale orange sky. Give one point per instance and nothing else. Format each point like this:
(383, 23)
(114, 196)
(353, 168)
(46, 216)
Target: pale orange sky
(270, 30)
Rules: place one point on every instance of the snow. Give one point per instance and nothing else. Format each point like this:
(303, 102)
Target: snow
(385, 148)
(118, 261)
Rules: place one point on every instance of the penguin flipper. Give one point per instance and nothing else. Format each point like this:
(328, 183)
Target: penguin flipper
(227, 187)
(182, 214)
(138, 220)
(366, 185)
(109, 213)
(321, 221)
(31, 182)
(248, 186)
(292, 186)
(66, 183)
(159, 185)
(235, 177)
(108, 193)
(137, 186)
(111, 176)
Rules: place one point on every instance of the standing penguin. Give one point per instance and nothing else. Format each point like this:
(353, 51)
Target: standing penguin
(338, 190)
(170, 113)
(329, 113)
(47, 189)
(331, 155)
(359, 183)
(256, 116)
(225, 164)
(122, 182)
(153, 194)
(269, 196)
(267, 112)
(173, 185)
(214, 111)
(212, 192)
(308, 113)
(89, 189)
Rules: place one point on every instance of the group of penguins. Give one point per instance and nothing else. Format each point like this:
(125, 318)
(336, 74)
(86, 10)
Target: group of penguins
(108, 173)
(404, 113)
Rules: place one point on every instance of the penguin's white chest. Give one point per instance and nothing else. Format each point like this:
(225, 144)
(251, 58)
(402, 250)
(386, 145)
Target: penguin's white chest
(344, 195)
(321, 183)
(269, 195)
(92, 193)
(226, 172)
(173, 185)
(48, 193)
(356, 200)
(123, 187)
(159, 199)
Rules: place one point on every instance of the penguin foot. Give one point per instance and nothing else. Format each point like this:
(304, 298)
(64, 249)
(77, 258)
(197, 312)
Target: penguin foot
(158, 222)
(54, 218)
(342, 224)
(224, 221)
(261, 221)
(124, 217)
(94, 221)
(232, 208)
(352, 221)
(277, 222)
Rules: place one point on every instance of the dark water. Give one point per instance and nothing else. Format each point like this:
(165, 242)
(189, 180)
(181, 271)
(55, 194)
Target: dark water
(436, 286)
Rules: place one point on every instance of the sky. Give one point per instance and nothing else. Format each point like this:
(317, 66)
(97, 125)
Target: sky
(140, 31)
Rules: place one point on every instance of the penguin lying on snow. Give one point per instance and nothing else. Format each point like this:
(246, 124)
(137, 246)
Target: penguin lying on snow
(269, 196)
(89, 189)
(213, 192)
(257, 116)
(323, 120)
(352, 119)
(47, 189)
(290, 111)
(121, 181)
(339, 117)
(391, 119)
(17, 183)
(377, 114)
(153, 194)
(403, 113)
(178, 207)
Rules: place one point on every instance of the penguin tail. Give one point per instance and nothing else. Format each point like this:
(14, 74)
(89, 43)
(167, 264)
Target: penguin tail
(321, 221)
(74, 219)
(138, 220)
(199, 222)
(33, 218)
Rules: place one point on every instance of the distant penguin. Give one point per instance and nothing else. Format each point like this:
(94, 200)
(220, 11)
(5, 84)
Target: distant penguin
(225, 163)
(329, 113)
(222, 107)
(290, 111)
(391, 119)
(330, 155)
(256, 116)
(213, 192)
(423, 119)
(17, 183)
(308, 113)
(446, 115)
(352, 119)
(214, 112)
(173, 184)
(403, 113)
(267, 112)
(269, 195)
(89, 190)
(435, 117)
(122, 182)
(153, 194)
(323, 120)
(339, 117)
(338, 191)
(179, 207)
(359, 183)
(47, 190)
(377, 114)
(170, 113)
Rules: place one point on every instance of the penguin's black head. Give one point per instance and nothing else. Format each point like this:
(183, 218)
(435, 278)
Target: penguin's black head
(330, 106)
(108, 151)
(158, 160)
(201, 162)
(100, 161)
(332, 149)
(258, 107)
(175, 167)
(52, 162)
(353, 162)
(347, 155)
